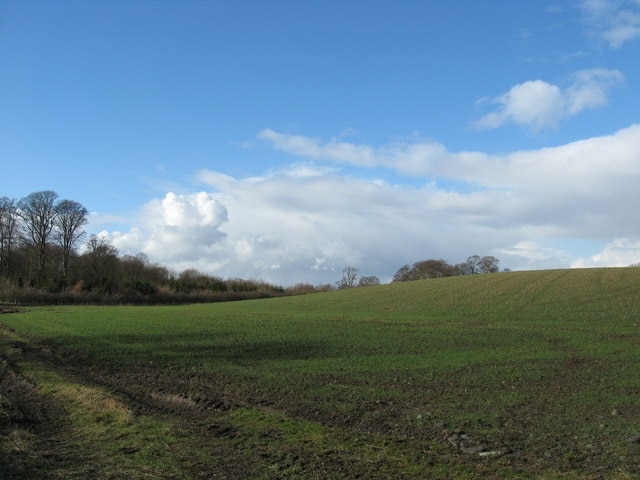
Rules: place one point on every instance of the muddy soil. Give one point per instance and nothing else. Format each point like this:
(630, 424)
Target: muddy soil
(199, 404)
(35, 426)
(31, 426)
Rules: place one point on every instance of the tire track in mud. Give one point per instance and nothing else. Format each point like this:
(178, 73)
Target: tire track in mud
(151, 392)
(146, 391)
(197, 405)
(201, 403)
(20, 402)
(32, 428)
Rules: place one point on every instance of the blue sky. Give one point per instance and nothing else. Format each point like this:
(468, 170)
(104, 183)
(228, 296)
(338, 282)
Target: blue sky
(285, 140)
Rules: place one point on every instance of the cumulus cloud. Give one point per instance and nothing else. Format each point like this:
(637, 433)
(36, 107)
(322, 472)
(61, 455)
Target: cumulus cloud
(176, 228)
(307, 221)
(537, 104)
(199, 210)
(614, 21)
(316, 225)
(621, 252)
(534, 104)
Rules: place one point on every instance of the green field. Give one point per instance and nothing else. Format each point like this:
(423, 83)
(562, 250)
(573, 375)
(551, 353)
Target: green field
(509, 375)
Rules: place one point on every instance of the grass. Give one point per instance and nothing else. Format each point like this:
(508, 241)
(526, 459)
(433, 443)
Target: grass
(92, 434)
(394, 381)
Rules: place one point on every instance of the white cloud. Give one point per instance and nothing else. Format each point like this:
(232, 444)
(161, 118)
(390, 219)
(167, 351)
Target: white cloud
(306, 222)
(589, 89)
(310, 147)
(531, 255)
(586, 163)
(419, 158)
(614, 21)
(177, 228)
(193, 210)
(620, 252)
(537, 104)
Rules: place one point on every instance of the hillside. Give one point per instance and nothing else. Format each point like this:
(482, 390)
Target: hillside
(520, 374)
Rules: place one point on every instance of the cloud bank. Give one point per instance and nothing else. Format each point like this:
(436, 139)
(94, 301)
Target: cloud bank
(307, 221)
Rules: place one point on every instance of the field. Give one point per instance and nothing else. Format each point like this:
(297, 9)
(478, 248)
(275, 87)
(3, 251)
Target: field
(530, 375)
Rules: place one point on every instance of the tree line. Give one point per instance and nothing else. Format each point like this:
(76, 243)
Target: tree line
(33, 231)
(474, 264)
(40, 262)
(422, 270)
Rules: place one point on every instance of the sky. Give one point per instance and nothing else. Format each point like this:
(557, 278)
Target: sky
(286, 140)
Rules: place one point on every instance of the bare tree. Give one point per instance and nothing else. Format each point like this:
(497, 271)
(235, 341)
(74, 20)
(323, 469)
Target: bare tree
(349, 277)
(368, 281)
(8, 229)
(69, 219)
(101, 265)
(38, 212)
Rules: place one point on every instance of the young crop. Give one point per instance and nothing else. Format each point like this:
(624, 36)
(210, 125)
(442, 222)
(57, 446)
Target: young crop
(419, 377)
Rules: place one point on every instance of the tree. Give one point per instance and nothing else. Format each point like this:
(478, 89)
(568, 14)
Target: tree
(403, 274)
(473, 265)
(101, 265)
(349, 277)
(69, 219)
(134, 267)
(8, 229)
(440, 268)
(38, 212)
(433, 269)
(192, 280)
(423, 270)
(368, 281)
(488, 264)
